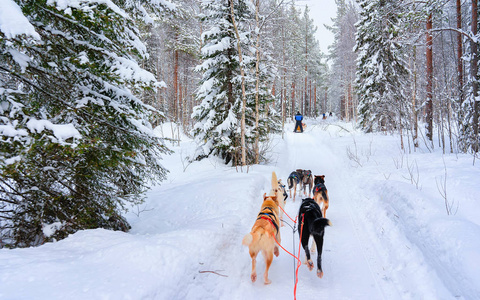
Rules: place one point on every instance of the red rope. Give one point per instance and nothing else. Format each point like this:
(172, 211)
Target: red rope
(299, 262)
(294, 221)
(298, 259)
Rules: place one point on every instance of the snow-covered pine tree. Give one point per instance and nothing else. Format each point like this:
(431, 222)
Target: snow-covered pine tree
(381, 70)
(76, 143)
(469, 139)
(217, 130)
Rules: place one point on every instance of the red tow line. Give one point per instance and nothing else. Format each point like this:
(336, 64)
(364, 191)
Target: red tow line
(299, 262)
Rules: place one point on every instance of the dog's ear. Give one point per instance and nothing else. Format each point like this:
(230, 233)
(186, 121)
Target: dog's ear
(264, 196)
(323, 177)
(274, 198)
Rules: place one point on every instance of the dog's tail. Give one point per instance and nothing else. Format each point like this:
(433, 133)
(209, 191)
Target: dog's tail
(320, 224)
(255, 237)
(274, 181)
(247, 239)
(290, 182)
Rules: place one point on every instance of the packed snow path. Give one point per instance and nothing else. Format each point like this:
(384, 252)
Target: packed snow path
(390, 239)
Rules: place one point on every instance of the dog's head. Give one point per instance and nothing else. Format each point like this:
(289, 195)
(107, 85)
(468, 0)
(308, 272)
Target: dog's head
(299, 172)
(271, 198)
(319, 179)
(271, 201)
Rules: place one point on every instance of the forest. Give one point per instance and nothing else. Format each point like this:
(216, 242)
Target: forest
(84, 83)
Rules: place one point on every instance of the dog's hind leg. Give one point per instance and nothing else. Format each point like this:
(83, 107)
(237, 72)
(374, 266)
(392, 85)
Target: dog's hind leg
(325, 207)
(309, 262)
(319, 241)
(268, 255)
(294, 192)
(253, 255)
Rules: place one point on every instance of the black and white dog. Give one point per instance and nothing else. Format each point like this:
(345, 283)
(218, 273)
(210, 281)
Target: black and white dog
(313, 224)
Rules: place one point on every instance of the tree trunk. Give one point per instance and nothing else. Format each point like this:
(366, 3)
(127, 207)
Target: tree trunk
(244, 98)
(414, 100)
(459, 51)
(175, 85)
(257, 82)
(284, 84)
(429, 101)
(474, 68)
(305, 99)
(293, 98)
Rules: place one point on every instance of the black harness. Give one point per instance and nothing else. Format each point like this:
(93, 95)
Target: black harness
(295, 177)
(285, 195)
(269, 215)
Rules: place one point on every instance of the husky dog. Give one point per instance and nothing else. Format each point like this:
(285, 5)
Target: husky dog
(313, 225)
(262, 236)
(320, 193)
(294, 179)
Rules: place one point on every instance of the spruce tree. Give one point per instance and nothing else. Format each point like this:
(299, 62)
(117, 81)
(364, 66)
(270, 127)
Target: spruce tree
(76, 146)
(381, 69)
(217, 130)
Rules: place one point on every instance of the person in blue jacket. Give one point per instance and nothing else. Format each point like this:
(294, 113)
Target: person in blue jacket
(298, 124)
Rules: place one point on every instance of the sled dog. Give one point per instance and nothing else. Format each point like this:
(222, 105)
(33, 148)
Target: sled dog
(294, 180)
(262, 236)
(307, 180)
(320, 193)
(313, 225)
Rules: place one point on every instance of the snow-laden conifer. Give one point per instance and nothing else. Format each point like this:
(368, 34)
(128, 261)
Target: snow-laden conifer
(218, 115)
(77, 145)
(381, 69)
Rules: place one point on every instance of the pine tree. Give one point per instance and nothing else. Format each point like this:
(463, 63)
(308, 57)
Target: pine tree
(381, 71)
(469, 115)
(77, 145)
(218, 115)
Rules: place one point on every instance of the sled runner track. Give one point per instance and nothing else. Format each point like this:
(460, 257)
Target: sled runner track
(355, 226)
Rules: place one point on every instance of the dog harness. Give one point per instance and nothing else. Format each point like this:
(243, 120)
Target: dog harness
(295, 176)
(268, 216)
(285, 195)
(319, 187)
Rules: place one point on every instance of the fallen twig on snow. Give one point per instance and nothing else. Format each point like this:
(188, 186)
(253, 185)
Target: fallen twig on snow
(214, 272)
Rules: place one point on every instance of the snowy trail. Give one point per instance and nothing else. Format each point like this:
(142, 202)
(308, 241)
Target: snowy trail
(390, 239)
(347, 272)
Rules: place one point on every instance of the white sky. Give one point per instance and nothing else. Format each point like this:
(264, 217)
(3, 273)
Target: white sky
(322, 12)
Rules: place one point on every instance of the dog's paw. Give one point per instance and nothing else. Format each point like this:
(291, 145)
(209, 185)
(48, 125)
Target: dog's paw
(254, 277)
(319, 273)
(276, 251)
(267, 281)
(310, 265)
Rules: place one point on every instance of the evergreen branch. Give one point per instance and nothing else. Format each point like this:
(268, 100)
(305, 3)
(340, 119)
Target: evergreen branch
(49, 94)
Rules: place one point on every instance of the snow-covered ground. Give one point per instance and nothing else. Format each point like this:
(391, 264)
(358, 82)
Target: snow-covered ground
(391, 238)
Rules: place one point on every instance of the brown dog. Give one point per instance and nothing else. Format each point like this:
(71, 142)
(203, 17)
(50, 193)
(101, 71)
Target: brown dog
(320, 193)
(263, 234)
(307, 180)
